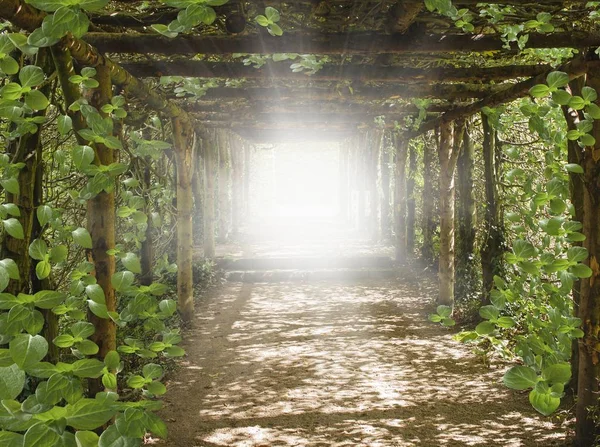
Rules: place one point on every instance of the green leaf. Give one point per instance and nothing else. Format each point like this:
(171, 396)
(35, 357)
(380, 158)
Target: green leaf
(444, 311)
(82, 237)
(27, 350)
(272, 14)
(9, 65)
(543, 402)
(65, 124)
(36, 100)
(44, 214)
(576, 103)
(539, 91)
(13, 227)
(95, 293)
(132, 263)
(10, 439)
(152, 371)
(262, 20)
(11, 185)
(31, 76)
(520, 378)
(136, 382)
(83, 156)
(122, 281)
(59, 253)
(561, 97)
(90, 368)
(48, 299)
(174, 351)
(485, 328)
(505, 322)
(86, 439)
(489, 312)
(581, 271)
(40, 435)
(38, 249)
(156, 388)
(12, 382)
(87, 347)
(589, 94)
(64, 341)
(574, 168)
(11, 267)
(523, 249)
(112, 438)
(112, 360)
(557, 373)
(275, 30)
(577, 254)
(43, 269)
(557, 79)
(88, 414)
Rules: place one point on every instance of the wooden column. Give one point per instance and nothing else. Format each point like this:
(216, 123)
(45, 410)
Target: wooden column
(493, 241)
(210, 152)
(184, 141)
(411, 208)
(428, 222)
(466, 219)
(224, 224)
(448, 156)
(237, 187)
(588, 388)
(101, 226)
(384, 207)
(198, 191)
(344, 188)
(373, 187)
(247, 172)
(401, 146)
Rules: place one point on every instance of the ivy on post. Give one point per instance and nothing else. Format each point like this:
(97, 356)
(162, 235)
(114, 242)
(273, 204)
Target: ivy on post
(184, 144)
(401, 146)
(448, 155)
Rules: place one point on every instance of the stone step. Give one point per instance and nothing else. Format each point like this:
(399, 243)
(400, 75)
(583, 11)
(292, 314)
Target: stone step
(281, 275)
(306, 263)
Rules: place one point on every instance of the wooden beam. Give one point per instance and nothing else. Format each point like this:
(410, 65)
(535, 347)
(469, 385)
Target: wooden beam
(363, 93)
(341, 43)
(350, 72)
(289, 136)
(574, 68)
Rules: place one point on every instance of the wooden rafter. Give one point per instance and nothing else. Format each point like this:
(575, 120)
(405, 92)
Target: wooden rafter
(343, 43)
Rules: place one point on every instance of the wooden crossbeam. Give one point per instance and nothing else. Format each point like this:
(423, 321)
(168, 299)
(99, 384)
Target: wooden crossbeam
(342, 43)
(349, 72)
(575, 68)
(362, 93)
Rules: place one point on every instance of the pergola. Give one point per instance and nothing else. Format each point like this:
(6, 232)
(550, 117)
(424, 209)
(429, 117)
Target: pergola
(369, 59)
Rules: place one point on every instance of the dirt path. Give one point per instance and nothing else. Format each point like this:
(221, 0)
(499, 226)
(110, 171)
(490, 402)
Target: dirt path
(339, 364)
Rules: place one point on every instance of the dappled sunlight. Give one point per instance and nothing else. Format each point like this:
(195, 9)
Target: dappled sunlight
(340, 364)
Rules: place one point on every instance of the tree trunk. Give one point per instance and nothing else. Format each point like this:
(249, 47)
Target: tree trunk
(400, 197)
(247, 172)
(448, 156)
(492, 249)
(411, 207)
(101, 225)
(384, 208)
(224, 187)
(237, 187)
(428, 220)
(343, 181)
(589, 307)
(184, 141)
(209, 196)
(374, 146)
(466, 272)
(576, 187)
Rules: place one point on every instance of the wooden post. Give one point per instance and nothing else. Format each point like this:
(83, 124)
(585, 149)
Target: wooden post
(588, 387)
(493, 241)
(101, 226)
(384, 207)
(209, 196)
(184, 142)
(448, 156)
(361, 173)
(198, 191)
(466, 219)
(344, 189)
(247, 172)
(428, 223)
(400, 197)
(410, 199)
(373, 153)
(224, 187)
(237, 183)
